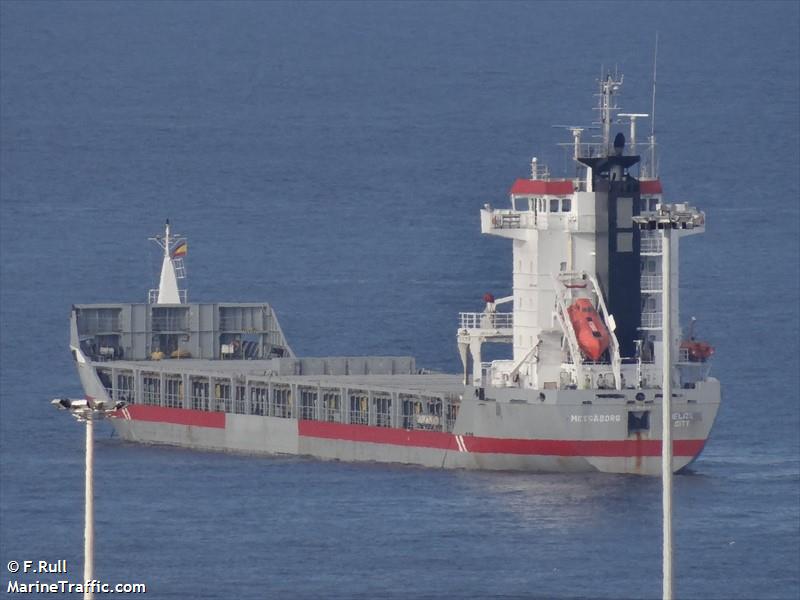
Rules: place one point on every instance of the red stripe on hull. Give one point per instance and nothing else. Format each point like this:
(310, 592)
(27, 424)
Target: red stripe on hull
(176, 416)
(377, 435)
(486, 445)
(605, 448)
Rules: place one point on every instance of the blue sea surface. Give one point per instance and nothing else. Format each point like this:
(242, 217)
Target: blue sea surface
(331, 159)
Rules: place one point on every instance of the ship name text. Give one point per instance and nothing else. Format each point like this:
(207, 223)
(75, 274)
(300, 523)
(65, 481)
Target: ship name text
(595, 418)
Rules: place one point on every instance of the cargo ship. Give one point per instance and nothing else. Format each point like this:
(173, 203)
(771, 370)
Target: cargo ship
(580, 393)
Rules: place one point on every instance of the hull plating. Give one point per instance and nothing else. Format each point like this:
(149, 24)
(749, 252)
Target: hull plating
(598, 450)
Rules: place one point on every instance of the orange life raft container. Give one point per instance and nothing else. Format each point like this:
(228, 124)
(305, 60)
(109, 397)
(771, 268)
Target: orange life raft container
(592, 334)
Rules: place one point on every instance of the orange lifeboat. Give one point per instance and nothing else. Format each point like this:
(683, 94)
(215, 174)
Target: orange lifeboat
(698, 351)
(592, 334)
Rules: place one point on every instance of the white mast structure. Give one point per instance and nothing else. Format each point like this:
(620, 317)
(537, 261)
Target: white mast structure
(172, 269)
(608, 106)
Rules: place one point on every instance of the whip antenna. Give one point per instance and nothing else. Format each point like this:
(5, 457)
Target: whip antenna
(653, 115)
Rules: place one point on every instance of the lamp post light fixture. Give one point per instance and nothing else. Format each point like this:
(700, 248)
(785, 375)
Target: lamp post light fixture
(87, 412)
(666, 218)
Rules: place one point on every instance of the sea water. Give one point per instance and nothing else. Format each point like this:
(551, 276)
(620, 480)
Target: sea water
(332, 159)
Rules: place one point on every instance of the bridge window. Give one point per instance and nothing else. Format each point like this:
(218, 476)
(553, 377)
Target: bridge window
(566, 204)
(553, 205)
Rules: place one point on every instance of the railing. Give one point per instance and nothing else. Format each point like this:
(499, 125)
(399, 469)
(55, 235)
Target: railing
(652, 320)
(653, 283)
(484, 320)
(508, 221)
(505, 218)
(526, 219)
(152, 296)
(651, 245)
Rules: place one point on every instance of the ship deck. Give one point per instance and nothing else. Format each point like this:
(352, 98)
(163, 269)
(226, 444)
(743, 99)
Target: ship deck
(438, 384)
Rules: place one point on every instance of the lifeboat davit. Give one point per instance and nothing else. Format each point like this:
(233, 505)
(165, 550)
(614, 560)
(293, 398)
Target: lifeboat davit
(592, 334)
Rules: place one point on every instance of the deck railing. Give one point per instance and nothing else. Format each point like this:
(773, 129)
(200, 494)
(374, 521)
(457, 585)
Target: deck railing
(485, 320)
(152, 296)
(683, 355)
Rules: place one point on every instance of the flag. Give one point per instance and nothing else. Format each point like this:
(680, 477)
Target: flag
(179, 250)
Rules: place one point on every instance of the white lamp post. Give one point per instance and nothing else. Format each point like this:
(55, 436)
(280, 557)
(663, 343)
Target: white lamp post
(88, 412)
(667, 218)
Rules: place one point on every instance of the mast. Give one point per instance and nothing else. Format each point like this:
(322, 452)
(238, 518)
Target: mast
(608, 107)
(172, 269)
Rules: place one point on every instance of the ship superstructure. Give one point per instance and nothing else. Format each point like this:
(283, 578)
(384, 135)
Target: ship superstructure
(572, 239)
(581, 391)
